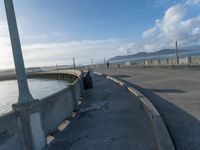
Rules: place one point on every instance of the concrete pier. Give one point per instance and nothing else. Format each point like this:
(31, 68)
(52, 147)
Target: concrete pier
(110, 119)
(28, 125)
(175, 94)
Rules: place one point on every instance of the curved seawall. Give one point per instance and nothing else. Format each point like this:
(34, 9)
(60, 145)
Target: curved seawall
(52, 110)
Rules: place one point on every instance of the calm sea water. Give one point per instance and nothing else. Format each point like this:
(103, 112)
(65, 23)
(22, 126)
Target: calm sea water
(39, 88)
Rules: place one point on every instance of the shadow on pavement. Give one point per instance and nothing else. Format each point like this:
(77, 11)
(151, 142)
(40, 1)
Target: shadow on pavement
(121, 76)
(167, 91)
(183, 127)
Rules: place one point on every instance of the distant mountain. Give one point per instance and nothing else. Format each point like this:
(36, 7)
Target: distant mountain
(187, 51)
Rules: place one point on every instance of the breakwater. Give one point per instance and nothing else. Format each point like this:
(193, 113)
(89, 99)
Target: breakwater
(28, 126)
(40, 88)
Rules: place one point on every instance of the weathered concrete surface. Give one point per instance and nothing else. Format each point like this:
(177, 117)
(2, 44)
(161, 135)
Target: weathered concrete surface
(10, 137)
(19, 129)
(175, 93)
(161, 134)
(110, 119)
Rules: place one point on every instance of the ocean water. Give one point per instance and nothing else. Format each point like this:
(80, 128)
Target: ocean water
(39, 88)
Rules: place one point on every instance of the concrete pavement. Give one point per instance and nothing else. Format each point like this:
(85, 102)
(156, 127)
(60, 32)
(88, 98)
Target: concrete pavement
(175, 94)
(110, 119)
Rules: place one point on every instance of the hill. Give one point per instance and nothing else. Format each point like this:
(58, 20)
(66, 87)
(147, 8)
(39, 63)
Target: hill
(187, 51)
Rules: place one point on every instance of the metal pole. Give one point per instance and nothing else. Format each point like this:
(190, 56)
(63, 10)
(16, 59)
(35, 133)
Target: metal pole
(24, 93)
(177, 57)
(74, 63)
(92, 63)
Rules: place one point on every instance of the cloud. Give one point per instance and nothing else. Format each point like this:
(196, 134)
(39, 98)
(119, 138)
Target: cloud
(4, 36)
(42, 54)
(5, 50)
(174, 27)
(45, 36)
(58, 52)
(192, 2)
(126, 49)
(150, 31)
(63, 52)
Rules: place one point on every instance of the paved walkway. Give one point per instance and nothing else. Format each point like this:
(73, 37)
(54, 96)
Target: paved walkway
(110, 119)
(176, 95)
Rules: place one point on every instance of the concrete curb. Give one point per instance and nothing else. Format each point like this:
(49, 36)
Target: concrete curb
(161, 134)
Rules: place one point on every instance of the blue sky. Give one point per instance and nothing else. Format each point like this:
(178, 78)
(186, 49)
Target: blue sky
(53, 32)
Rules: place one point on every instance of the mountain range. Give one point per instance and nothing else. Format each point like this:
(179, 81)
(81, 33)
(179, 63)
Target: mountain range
(183, 52)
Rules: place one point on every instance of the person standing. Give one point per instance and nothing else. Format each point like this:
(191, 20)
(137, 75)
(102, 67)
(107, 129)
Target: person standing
(108, 65)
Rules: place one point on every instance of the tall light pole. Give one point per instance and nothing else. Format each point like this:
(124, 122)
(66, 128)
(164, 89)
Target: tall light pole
(74, 63)
(92, 63)
(24, 93)
(177, 56)
(31, 129)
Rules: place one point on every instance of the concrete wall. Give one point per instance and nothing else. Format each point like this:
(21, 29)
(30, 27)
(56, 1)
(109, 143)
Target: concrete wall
(53, 110)
(10, 138)
(76, 91)
(195, 60)
(184, 62)
(164, 62)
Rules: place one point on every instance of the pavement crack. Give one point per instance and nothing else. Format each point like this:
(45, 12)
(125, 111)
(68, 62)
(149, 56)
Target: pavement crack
(95, 106)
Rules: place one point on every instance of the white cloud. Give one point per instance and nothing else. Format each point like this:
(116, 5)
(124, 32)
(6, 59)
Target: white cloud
(173, 27)
(5, 47)
(4, 36)
(149, 32)
(63, 52)
(196, 31)
(126, 49)
(192, 2)
(40, 54)
(52, 53)
(172, 18)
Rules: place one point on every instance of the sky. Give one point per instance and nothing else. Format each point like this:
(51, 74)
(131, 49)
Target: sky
(53, 32)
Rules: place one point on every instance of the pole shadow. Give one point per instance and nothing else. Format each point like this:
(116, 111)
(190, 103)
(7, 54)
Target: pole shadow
(167, 90)
(121, 76)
